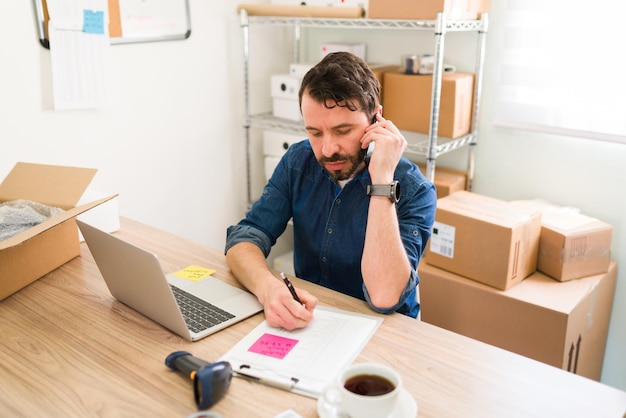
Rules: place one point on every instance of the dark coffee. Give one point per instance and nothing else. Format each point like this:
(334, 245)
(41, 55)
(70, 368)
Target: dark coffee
(369, 385)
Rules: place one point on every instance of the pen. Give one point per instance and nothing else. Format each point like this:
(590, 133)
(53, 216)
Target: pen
(276, 382)
(290, 287)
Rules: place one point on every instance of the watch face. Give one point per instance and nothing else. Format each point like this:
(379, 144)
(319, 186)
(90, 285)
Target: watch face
(395, 190)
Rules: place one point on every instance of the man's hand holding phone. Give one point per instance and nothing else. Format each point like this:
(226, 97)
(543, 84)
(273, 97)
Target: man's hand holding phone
(386, 140)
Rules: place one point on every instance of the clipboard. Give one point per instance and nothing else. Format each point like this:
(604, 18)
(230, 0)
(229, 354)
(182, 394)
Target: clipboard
(169, 20)
(302, 361)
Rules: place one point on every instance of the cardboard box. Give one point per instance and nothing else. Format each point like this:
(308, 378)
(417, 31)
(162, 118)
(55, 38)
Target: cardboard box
(427, 9)
(407, 102)
(447, 180)
(573, 245)
(35, 252)
(564, 324)
(492, 241)
(379, 70)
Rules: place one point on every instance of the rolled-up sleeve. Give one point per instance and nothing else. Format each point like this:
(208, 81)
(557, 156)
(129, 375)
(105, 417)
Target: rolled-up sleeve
(246, 233)
(405, 303)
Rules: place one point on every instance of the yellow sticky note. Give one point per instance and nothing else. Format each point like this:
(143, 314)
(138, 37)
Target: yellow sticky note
(194, 273)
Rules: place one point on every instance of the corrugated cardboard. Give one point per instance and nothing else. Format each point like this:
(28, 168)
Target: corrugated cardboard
(564, 324)
(35, 252)
(407, 102)
(447, 180)
(379, 70)
(485, 239)
(426, 9)
(573, 245)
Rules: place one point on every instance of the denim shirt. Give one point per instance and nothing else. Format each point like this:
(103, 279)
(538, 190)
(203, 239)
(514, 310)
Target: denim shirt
(329, 223)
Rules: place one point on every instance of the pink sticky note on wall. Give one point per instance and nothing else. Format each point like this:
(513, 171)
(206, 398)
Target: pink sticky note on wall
(273, 346)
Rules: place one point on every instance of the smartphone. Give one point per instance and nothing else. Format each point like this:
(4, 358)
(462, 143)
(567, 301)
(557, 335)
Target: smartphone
(370, 151)
(371, 146)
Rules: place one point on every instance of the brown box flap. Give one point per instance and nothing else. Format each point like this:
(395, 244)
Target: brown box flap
(51, 185)
(44, 226)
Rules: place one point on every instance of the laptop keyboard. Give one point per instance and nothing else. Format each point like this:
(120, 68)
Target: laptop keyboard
(199, 314)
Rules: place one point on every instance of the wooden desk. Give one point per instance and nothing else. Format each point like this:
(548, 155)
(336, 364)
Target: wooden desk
(67, 348)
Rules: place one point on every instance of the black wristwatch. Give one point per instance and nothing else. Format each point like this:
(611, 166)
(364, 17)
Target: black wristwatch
(392, 191)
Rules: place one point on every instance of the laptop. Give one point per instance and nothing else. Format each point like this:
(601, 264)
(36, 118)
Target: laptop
(191, 309)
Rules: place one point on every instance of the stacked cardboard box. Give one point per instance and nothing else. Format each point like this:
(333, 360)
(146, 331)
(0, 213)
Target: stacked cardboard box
(572, 245)
(485, 239)
(559, 315)
(426, 9)
(407, 101)
(447, 180)
(564, 324)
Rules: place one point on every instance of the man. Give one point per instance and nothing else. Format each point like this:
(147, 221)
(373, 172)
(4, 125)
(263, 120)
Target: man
(348, 235)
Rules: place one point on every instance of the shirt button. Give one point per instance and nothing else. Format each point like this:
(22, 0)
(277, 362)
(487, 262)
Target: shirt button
(324, 259)
(329, 230)
(338, 201)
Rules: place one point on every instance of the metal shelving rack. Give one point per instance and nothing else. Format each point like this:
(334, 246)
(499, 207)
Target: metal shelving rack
(431, 146)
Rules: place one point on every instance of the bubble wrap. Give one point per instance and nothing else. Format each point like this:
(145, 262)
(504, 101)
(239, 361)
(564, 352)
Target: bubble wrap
(19, 215)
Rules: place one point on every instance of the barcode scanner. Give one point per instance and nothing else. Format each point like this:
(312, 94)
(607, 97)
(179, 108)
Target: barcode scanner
(210, 380)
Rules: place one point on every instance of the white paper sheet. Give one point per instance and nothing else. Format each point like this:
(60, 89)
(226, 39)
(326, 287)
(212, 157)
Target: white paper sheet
(310, 356)
(79, 53)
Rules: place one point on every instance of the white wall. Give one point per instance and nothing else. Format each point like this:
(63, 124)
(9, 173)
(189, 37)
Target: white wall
(170, 144)
(173, 147)
(583, 173)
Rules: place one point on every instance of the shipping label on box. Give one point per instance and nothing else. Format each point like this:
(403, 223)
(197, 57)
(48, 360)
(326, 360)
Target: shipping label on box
(485, 239)
(564, 324)
(442, 239)
(407, 102)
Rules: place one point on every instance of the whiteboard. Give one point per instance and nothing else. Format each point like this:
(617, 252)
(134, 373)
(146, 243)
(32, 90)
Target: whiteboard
(134, 20)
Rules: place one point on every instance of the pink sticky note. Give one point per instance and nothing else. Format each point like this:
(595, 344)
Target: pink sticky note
(273, 346)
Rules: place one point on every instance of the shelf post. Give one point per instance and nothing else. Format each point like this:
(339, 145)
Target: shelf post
(440, 31)
(296, 40)
(245, 29)
(478, 87)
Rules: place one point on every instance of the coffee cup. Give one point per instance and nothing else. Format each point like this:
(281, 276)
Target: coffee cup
(364, 390)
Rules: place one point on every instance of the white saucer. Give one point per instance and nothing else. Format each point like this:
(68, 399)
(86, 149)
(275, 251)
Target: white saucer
(406, 407)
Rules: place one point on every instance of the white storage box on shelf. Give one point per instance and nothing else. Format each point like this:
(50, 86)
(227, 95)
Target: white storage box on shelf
(284, 89)
(275, 144)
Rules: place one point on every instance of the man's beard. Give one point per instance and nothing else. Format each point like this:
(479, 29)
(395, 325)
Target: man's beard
(355, 164)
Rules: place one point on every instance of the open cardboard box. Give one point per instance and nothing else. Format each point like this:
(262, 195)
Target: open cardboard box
(37, 251)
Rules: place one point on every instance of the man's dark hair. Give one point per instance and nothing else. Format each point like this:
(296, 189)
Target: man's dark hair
(342, 79)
